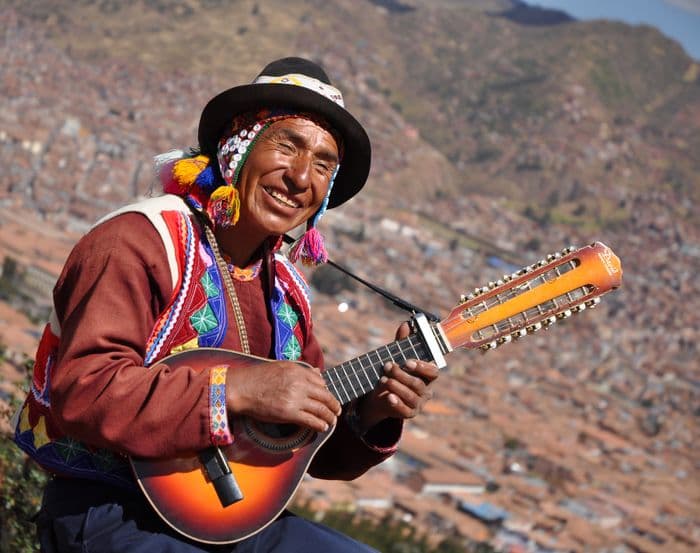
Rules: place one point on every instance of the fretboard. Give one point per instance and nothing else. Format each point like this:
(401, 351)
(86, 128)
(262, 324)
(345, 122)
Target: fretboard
(361, 375)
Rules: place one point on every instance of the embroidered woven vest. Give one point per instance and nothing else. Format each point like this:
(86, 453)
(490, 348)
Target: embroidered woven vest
(196, 316)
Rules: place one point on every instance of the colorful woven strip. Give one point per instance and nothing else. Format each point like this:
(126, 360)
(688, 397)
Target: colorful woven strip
(218, 419)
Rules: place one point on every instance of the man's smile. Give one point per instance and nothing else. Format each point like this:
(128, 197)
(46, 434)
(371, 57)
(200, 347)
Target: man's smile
(282, 198)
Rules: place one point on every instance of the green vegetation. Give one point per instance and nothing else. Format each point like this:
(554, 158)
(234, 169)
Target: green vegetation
(611, 88)
(21, 482)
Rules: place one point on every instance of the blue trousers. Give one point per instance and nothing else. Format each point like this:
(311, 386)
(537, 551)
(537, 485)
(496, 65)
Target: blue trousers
(80, 516)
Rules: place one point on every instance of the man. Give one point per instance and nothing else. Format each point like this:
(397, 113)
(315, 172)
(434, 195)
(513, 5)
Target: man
(199, 267)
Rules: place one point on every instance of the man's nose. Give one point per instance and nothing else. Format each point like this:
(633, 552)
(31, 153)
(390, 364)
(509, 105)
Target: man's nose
(299, 171)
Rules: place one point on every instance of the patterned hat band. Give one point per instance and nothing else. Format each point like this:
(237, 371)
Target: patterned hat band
(299, 79)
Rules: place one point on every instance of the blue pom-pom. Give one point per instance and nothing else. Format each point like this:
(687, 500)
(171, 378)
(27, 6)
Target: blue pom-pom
(206, 180)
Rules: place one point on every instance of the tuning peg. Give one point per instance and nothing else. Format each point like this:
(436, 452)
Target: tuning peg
(484, 289)
(500, 282)
(518, 333)
(549, 321)
(492, 285)
(578, 308)
(534, 328)
(506, 278)
(505, 339)
(564, 314)
(490, 345)
(551, 257)
(593, 302)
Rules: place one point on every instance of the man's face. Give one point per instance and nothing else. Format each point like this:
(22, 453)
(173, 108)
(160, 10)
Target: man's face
(286, 176)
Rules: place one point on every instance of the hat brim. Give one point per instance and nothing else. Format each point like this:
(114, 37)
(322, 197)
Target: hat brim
(357, 151)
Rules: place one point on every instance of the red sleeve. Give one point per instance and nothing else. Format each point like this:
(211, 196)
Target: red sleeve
(113, 286)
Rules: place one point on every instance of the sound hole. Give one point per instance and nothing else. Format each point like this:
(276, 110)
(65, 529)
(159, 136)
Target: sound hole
(276, 437)
(277, 431)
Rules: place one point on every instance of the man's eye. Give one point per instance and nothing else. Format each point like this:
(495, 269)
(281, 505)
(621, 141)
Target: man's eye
(324, 167)
(287, 146)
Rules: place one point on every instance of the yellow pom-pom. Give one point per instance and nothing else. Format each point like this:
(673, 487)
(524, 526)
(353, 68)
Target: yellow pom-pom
(186, 171)
(224, 206)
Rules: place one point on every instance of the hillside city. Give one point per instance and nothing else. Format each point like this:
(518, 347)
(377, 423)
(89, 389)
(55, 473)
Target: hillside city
(581, 438)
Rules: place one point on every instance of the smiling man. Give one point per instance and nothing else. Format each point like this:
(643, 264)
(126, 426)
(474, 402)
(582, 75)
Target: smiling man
(200, 267)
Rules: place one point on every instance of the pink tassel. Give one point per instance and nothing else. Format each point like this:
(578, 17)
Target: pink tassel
(310, 248)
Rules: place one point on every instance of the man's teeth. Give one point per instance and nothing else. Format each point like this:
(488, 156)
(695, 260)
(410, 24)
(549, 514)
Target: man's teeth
(284, 199)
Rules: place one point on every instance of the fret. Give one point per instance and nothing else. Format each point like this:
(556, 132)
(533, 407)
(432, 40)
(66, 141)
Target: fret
(413, 347)
(398, 346)
(330, 381)
(371, 365)
(362, 388)
(340, 380)
(349, 381)
(381, 361)
(364, 371)
(400, 351)
(422, 352)
(391, 356)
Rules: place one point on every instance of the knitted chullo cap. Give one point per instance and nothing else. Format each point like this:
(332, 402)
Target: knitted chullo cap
(300, 85)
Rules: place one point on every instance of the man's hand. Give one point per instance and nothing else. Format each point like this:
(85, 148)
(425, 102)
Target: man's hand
(282, 392)
(402, 391)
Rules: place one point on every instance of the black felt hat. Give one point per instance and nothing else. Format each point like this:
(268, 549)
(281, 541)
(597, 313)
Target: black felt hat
(301, 84)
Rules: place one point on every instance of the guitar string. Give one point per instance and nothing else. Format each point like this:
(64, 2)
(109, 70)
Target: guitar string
(334, 375)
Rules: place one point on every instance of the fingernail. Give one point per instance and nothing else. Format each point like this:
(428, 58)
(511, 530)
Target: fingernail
(411, 364)
(383, 380)
(393, 399)
(388, 365)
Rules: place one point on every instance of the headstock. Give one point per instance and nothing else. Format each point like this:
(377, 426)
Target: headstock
(534, 297)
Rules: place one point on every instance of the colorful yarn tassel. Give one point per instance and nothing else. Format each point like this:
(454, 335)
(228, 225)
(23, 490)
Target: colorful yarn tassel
(310, 248)
(206, 180)
(186, 171)
(224, 206)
